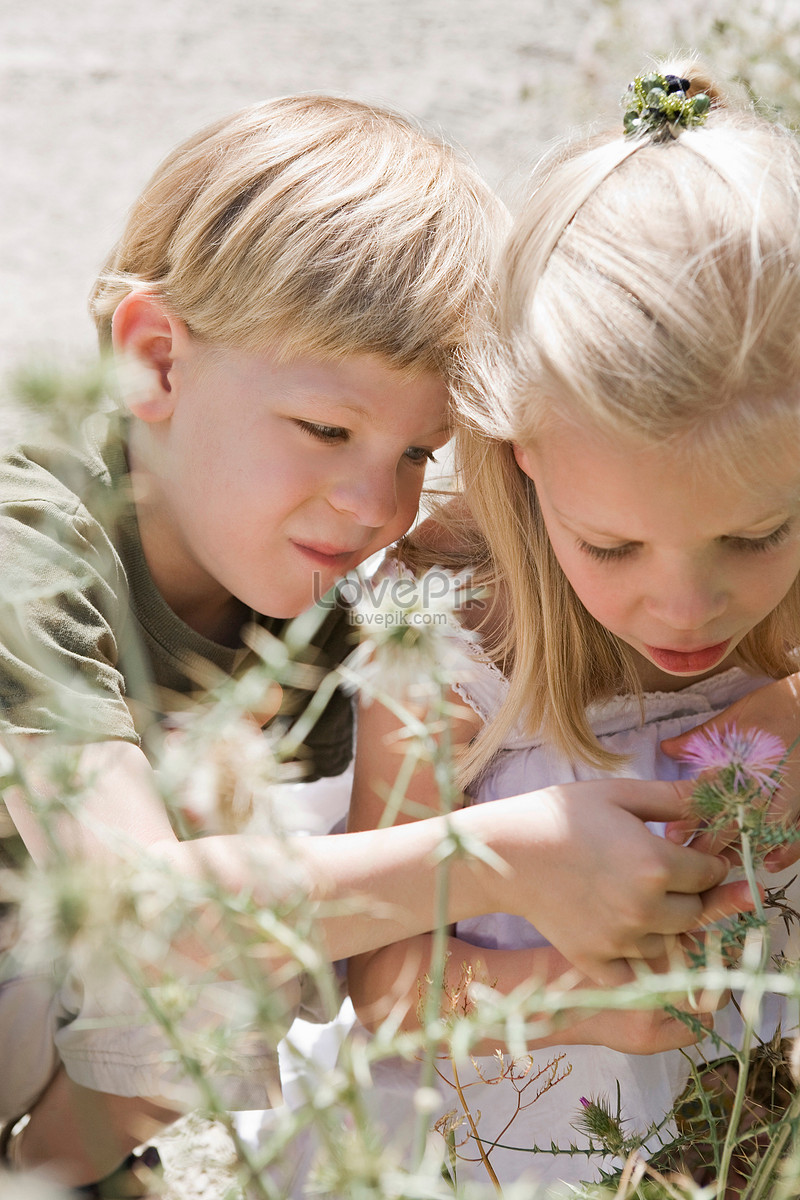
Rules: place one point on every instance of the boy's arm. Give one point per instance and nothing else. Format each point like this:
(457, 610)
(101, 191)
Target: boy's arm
(567, 852)
(581, 865)
(775, 708)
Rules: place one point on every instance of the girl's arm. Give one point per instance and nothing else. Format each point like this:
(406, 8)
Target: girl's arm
(775, 708)
(392, 979)
(394, 982)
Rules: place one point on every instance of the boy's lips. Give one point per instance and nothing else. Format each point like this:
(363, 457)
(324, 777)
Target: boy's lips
(325, 555)
(702, 659)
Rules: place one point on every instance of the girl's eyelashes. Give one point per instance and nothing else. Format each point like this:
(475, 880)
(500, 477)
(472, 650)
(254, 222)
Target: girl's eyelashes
(606, 553)
(761, 543)
(752, 545)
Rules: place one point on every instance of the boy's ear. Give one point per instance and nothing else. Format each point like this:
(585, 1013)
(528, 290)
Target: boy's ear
(144, 338)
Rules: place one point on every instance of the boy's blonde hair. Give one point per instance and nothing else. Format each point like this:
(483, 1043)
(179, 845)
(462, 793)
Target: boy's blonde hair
(650, 289)
(312, 225)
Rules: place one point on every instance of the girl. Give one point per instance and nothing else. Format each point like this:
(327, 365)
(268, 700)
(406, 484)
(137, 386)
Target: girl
(632, 501)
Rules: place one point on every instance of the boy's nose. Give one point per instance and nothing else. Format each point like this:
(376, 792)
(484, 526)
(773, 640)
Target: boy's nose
(371, 497)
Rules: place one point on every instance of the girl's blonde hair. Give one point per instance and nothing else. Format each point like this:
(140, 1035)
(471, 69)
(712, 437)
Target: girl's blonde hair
(650, 289)
(312, 225)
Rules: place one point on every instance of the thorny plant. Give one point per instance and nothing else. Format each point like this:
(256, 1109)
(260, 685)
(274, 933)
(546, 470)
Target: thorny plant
(529, 1080)
(137, 927)
(727, 1131)
(740, 1109)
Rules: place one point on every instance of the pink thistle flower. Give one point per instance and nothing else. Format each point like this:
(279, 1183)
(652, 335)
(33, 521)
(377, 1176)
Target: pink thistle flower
(753, 754)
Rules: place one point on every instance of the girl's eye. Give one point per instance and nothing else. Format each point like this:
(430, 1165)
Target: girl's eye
(756, 545)
(324, 433)
(418, 454)
(749, 545)
(607, 553)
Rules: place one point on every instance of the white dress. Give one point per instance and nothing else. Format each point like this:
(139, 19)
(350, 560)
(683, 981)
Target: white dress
(648, 1084)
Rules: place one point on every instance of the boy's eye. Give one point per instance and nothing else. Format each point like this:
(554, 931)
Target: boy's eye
(324, 433)
(335, 433)
(607, 553)
(418, 454)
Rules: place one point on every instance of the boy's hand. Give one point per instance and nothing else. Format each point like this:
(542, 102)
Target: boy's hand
(776, 709)
(597, 883)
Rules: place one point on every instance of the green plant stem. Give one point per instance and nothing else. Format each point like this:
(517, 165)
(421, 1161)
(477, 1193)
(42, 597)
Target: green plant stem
(762, 1177)
(747, 1036)
(259, 1187)
(443, 766)
(750, 875)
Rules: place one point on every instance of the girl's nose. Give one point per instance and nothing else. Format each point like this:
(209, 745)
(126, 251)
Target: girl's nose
(371, 497)
(687, 600)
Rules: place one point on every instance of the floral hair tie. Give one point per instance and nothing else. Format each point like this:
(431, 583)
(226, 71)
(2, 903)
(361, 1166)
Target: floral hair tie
(658, 105)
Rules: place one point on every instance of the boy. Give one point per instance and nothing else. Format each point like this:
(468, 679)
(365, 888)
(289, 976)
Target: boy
(293, 288)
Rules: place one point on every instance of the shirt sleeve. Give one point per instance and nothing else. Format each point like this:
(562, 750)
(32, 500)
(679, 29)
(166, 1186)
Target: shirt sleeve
(62, 605)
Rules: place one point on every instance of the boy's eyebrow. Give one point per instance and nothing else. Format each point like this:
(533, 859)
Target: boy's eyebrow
(358, 409)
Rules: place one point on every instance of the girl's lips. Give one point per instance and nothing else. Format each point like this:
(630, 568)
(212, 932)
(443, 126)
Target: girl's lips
(690, 661)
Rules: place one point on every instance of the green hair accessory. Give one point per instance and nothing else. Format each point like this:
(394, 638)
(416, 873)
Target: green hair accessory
(658, 105)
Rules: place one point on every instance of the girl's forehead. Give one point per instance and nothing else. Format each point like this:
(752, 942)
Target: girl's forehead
(586, 473)
(741, 434)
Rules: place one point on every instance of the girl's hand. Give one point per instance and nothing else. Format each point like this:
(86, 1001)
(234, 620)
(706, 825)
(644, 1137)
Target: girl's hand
(776, 709)
(649, 1030)
(642, 1031)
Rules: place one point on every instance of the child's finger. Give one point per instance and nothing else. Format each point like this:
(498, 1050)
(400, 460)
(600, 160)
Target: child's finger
(727, 900)
(692, 871)
(786, 856)
(681, 832)
(672, 1033)
(686, 833)
(678, 914)
(673, 747)
(655, 800)
(685, 913)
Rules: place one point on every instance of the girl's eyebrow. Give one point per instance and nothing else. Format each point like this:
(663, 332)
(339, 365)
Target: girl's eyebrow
(579, 526)
(774, 519)
(764, 525)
